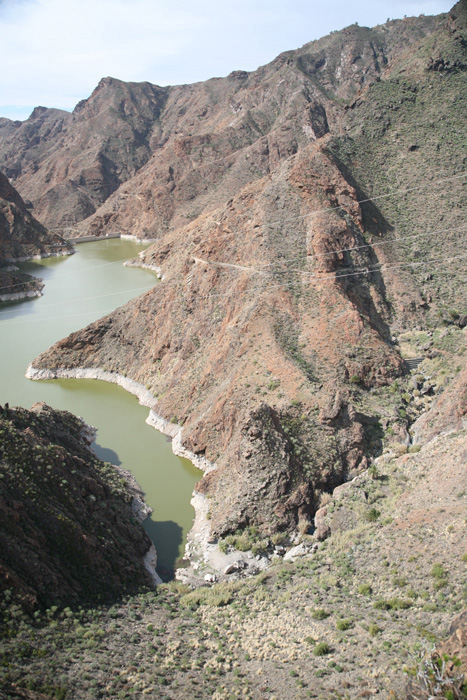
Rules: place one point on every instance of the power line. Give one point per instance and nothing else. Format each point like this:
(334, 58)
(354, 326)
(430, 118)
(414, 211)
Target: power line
(241, 268)
(70, 274)
(301, 216)
(80, 299)
(328, 253)
(342, 132)
(225, 294)
(325, 278)
(349, 250)
(331, 208)
(244, 269)
(393, 128)
(53, 318)
(333, 278)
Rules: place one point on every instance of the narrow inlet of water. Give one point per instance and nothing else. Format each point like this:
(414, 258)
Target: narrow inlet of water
(78, 290)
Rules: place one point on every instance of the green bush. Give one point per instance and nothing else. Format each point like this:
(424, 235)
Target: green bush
(321, 649)
(438, 571)
(399, 604)
(343, 625)
(319, 614)
(392, 604)
(219, 595)
(372, 515)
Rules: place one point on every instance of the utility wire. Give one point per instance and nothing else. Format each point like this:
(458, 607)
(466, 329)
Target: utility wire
(80, 299)
(301, 216)
(324, 278)
(327, 277)
(342, 206)
(53, 318)
(68, 274)
(349, 250)
(303, 272)
(331, 208)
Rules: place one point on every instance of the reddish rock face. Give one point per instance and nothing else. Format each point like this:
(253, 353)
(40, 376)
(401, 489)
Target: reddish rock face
(230, 346)
(456, 645)
(21, 235)
(160, 156)
(290, 245)
(448, 412)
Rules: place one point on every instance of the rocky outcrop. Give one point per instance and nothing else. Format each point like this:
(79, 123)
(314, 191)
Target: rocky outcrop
(68, 534)
(287, 259)
(141, 159)
(447, 414)
(22, 237)
(455, 647)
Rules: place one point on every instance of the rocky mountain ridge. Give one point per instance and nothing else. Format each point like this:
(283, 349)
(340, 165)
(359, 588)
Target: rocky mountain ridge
(272, 338)
(186, 149)
(22, 237)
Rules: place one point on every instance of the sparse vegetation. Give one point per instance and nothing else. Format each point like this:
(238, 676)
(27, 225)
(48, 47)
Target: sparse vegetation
(387, 574)
(322, 649)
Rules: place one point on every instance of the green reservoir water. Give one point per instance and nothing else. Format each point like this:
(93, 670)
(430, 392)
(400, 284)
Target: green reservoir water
(78, 290)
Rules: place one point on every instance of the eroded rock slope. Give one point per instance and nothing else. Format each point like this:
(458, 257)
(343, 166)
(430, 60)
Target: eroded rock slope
(188, 148)
(273, 336)
(22, 237)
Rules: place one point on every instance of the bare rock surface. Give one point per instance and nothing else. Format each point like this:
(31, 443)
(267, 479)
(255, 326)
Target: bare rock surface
(22, 237)
(269, 338)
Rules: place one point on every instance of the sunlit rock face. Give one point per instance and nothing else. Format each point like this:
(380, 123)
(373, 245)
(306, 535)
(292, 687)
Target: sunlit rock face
(299, 214)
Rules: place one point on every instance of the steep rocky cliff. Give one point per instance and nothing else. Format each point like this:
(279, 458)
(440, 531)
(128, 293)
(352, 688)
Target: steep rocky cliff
(271, 337)
(67, 531)
(188, 148)
(22, 237)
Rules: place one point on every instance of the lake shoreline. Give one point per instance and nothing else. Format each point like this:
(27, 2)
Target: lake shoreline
(172, 430)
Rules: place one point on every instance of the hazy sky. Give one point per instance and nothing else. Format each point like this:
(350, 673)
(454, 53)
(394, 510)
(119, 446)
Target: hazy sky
(54, 52)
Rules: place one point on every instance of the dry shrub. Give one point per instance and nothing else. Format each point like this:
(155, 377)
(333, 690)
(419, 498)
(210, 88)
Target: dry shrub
(304, 526)
(324, 499)
(436, 676)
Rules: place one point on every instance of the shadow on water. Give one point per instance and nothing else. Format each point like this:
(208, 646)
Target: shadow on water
(168, 537)
(106, 454)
